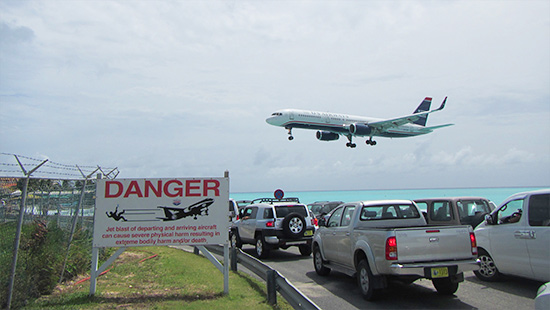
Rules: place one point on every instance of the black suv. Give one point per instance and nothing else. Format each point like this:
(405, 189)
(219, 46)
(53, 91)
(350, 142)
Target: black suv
(271, 224)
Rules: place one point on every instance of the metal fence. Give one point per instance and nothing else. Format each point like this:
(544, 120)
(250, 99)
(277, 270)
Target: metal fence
(39, 190)
(274, 280)
(47, 200)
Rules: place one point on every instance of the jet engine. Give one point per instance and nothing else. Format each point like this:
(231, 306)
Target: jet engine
(327, 136)
(360, 129)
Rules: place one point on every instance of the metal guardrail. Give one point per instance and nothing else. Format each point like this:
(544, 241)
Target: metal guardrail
(275, 281)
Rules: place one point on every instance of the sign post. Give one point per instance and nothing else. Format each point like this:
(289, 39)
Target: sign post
(153, 212)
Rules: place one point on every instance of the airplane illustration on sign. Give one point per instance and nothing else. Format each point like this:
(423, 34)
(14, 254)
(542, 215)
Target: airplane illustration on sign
(330, 126)
(197, 209)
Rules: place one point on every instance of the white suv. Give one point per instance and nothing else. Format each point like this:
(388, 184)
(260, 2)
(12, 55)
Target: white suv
(271, 224)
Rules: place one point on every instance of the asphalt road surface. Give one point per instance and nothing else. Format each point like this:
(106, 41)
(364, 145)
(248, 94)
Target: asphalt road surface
(338, 291)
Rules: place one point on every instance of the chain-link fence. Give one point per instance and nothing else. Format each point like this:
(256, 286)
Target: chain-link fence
(49, 200)
(46, 224)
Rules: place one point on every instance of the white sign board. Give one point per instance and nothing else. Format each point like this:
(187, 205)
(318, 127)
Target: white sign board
(152, 212)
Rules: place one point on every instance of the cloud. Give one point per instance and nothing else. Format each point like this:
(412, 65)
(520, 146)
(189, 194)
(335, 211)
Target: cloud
(170, 88)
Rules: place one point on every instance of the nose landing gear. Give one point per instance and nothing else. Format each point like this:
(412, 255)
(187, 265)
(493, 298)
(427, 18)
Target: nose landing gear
(290, 137)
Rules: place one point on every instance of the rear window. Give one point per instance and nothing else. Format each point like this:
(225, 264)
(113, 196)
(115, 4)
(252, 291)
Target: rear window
(388, 212)
(283, 211)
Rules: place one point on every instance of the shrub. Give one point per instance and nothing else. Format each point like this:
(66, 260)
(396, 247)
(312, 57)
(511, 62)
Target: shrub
(41, 256)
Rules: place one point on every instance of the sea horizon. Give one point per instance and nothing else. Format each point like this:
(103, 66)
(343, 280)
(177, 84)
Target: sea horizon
(495, 194)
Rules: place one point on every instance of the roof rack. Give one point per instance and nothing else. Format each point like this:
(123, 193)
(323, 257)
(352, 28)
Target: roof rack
(272, 200)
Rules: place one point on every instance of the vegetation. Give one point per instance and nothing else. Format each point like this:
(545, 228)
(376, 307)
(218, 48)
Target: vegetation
(41, 255)
(160, 278)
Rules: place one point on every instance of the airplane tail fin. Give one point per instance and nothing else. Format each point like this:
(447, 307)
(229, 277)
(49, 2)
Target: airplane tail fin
(423, 107)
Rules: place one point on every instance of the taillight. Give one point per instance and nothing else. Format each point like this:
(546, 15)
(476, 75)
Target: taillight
(391, 248)
(473, 243)
(270, 224)
(314, 221)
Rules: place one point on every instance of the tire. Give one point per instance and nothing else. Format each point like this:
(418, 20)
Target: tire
(294, 226)
(305, 249)
(320, 269)
(445, 286)
(262, 251)
(365, 281)
(236, 240)
(488, 270)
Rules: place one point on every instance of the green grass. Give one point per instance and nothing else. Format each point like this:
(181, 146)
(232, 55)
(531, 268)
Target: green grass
(174, 279)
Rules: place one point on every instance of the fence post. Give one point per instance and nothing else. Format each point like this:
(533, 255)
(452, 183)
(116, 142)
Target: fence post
(19, 225)
(75, 218)
(226, 269)
(271, 287)
(233, 257)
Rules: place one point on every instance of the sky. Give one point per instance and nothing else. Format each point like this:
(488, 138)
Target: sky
(165, 89)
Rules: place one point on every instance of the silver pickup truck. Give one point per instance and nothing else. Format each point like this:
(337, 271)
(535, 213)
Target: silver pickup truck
(377, 241)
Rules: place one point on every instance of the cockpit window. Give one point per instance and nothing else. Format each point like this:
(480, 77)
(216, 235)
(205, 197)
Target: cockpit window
(277, 114)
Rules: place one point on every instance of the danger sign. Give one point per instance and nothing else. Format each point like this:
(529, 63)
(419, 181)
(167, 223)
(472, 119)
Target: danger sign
(146, 212)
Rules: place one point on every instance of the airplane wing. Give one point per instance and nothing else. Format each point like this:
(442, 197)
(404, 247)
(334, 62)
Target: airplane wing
(432, 128)
(407, 119)
(169, 213)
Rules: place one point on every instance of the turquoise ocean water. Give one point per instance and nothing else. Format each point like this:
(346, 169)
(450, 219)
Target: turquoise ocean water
(497, 195)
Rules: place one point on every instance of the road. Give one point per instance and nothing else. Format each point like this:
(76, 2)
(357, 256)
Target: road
(338, 291)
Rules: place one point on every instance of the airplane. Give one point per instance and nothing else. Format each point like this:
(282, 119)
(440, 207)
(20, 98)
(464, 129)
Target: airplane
(330, 126)
(173, 213)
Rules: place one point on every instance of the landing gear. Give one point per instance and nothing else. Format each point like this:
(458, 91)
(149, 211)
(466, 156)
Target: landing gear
(350, 144)
(371, 142)
(290, 137)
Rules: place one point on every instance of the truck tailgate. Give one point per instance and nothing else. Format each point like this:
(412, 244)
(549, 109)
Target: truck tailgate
(436, 243)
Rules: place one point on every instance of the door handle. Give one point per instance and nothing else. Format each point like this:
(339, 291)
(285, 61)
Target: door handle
(347, 234)
(524, 234)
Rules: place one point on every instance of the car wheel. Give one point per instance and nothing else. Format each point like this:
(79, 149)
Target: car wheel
(261, 247)
(365, 280)
(236, 240)
(294, 226)
(445, 286)
(488, 270)
(320, 268)
(305, 249)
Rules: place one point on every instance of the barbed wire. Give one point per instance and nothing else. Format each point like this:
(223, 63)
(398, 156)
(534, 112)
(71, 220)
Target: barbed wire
(10, 166)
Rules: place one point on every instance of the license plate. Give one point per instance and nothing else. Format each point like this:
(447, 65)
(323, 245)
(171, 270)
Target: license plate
(440, 272)
(308, 233)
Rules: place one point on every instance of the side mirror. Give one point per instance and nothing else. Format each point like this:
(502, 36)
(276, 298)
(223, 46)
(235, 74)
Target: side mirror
(322, 222)
(489, 219)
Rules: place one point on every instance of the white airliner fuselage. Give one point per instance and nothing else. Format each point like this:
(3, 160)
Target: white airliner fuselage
(331, 125)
